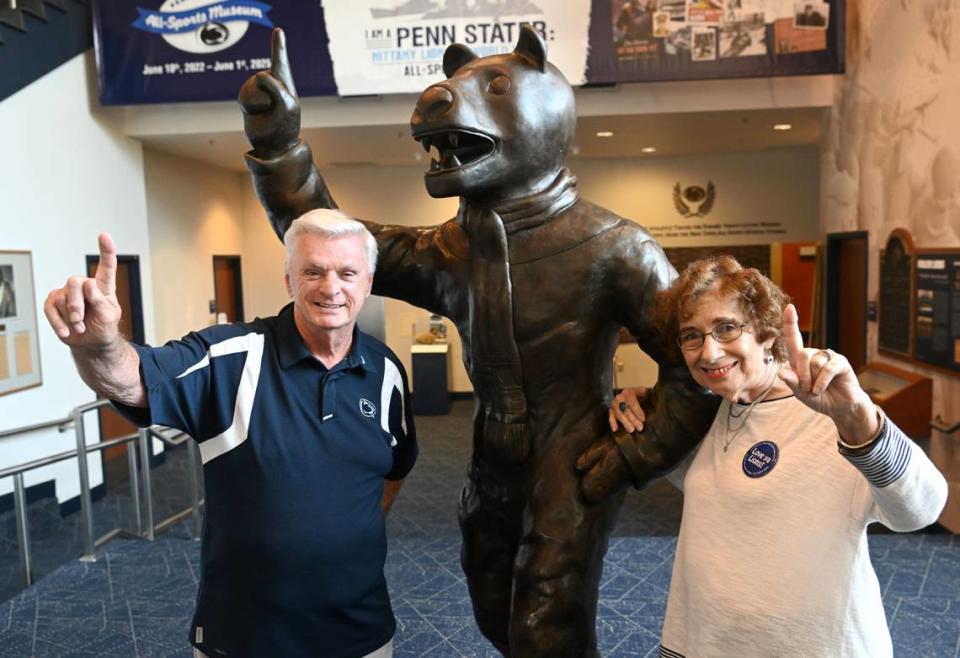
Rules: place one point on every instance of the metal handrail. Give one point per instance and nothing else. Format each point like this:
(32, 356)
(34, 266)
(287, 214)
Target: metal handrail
(940, 425)
(141, 439)
(146, 433)
(90, 406)
(37, 463)
(61, 424)
(67, 454)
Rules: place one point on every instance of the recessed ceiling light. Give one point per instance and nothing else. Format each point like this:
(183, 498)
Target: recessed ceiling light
(604, 133)
(782, 126)
(649, 149)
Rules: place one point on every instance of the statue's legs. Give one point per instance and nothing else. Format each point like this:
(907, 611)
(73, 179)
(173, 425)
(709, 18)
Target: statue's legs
(558, 566)
(491, 507)
(534, 590)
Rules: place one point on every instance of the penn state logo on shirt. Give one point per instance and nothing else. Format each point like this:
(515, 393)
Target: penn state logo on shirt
(760, 459)
(203, 26)
(367, 408)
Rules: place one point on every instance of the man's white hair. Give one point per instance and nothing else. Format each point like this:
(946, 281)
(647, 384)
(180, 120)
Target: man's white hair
(329, 224)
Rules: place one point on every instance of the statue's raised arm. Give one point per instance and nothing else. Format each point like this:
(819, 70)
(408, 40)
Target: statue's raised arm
(282, 166)
(288, 184)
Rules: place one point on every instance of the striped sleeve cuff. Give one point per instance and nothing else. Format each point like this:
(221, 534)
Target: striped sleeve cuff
(885, 459)
(668, 653)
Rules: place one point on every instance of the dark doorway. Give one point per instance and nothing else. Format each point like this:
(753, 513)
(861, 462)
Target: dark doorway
(131, 326)
(846, 288)
(228, 287)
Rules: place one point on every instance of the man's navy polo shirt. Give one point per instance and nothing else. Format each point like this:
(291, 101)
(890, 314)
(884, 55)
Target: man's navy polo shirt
(294, 460)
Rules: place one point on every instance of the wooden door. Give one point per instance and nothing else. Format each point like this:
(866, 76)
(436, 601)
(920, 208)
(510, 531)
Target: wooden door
(846, 289)
(131, 327)
(795, 272)
(228, 287)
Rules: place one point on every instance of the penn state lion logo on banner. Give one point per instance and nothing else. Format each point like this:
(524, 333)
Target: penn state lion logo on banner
(203, 26)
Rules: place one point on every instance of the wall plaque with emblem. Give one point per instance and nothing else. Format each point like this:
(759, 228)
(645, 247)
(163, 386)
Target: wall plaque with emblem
(693, 200)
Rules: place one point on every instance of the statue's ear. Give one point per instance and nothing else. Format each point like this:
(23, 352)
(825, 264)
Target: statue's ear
(531, 47)
(455, 56)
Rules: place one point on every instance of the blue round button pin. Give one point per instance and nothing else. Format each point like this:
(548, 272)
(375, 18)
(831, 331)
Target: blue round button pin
(760, 459)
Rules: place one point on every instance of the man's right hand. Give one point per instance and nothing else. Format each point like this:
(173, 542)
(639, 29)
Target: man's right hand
(85, 312)
(271, 109)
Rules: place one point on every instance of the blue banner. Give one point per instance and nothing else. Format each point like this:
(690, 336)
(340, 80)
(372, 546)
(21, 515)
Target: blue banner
(169, 51)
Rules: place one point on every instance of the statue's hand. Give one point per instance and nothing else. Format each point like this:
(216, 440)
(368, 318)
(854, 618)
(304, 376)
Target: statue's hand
(603, 470)
(271, 109)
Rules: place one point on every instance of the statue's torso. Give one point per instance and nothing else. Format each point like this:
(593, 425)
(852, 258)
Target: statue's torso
(562, 312)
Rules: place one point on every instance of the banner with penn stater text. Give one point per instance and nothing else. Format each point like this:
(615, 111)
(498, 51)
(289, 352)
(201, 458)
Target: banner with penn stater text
(396, 46)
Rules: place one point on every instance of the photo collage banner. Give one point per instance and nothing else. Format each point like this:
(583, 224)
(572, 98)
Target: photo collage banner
(160, 51)
(690, 39)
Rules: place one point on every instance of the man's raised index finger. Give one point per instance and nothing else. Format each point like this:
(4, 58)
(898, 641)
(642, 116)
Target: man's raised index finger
(107, 268)
(792, 339)
(279, 64)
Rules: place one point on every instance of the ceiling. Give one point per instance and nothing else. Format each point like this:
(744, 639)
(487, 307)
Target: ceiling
(671, 134)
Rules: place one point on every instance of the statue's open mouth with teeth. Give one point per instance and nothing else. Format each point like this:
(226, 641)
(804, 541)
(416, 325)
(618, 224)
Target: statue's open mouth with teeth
(455, 148)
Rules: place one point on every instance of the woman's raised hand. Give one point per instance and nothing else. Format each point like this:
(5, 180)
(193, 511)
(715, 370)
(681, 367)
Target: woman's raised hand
(824, 381)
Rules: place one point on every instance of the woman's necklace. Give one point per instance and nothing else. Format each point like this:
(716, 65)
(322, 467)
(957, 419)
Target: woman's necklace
(745, 414)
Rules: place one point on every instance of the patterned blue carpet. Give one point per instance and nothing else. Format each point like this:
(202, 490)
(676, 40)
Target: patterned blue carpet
(138, 598)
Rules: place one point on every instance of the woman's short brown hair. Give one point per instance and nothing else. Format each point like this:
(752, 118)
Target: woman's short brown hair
(759, 298)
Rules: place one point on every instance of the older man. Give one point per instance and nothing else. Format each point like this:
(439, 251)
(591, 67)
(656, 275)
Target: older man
(300, 419)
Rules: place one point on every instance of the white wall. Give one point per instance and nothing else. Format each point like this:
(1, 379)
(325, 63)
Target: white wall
(778, 186)
(65, 178)
(892, 155)
(263, 258)
(195, 212)
(143, 121)
(891, 158)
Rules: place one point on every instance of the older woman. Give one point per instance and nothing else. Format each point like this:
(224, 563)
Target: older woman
(772, 556)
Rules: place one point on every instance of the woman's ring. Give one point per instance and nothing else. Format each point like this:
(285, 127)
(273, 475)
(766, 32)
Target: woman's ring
(623, 407)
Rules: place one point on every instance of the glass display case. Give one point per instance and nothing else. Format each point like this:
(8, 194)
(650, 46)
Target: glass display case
(431, 393)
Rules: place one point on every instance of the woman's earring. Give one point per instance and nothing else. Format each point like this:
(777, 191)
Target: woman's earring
(768, 359)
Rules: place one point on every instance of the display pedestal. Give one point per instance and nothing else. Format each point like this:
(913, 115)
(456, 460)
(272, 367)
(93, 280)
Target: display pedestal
(431, 394)
(906, 397)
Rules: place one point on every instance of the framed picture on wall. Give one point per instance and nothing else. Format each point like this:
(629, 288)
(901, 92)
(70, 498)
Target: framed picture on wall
(19, 347)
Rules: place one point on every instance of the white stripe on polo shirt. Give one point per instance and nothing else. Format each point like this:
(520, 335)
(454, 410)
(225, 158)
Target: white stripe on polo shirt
(391, 380)
(236, 434)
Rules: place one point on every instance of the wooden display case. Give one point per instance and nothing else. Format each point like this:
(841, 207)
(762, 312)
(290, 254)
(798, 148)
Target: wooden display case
(906, 397)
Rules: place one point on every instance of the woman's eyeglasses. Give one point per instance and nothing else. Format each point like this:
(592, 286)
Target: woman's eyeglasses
(725, 332)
